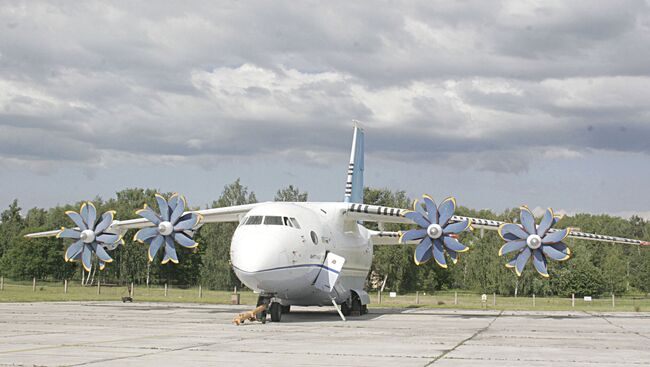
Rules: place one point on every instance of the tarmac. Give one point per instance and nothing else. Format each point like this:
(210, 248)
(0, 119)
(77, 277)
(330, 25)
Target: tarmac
(164, 334)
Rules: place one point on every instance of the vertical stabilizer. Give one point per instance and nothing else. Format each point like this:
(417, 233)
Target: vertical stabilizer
(354, 184)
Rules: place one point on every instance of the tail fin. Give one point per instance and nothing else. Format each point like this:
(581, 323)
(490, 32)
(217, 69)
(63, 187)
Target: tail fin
(354, 184)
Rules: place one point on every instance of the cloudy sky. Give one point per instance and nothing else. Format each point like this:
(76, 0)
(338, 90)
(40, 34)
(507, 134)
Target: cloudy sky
(497, 103)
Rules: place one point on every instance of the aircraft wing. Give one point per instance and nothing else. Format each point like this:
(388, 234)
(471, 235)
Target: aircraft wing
(375, 213)
(214, 215)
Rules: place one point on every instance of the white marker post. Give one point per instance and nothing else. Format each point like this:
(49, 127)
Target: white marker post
(533, 299)
(65, 286)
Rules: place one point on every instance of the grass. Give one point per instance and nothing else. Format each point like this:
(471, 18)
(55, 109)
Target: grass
(466, 300)
(53, 292)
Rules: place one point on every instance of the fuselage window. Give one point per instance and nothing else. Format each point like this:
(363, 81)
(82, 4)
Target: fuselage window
(295, 223)
(254, 219)
(314, 237)
(272, 220)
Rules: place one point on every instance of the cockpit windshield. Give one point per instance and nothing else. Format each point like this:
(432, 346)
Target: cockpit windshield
(270, 220)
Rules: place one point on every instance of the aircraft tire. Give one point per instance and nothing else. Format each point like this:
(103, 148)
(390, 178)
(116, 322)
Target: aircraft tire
(276, 312)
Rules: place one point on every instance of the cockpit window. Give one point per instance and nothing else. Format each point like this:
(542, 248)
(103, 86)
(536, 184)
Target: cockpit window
(272, 220)
(253, 219)
(295, 222)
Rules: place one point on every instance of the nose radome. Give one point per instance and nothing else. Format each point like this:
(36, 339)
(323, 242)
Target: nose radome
(258, 249)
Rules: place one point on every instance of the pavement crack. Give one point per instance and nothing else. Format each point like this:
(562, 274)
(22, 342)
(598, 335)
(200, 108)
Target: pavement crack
(477, 333)
(627, 331)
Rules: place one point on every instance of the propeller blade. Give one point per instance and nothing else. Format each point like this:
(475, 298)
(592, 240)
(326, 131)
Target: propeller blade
(552, 252)
(178, 210)
(512, 229)
(432, 209)
(155, 246)
(561, 246)
(187, 222)
(170, 251)
(148, 214)
(423, 251)
(439, 253)
(457, 227)
(173, 201)
(412, 235)
(76, 218)
(74, 250)
(527, 220)
(108, 238)
(102, 255)
(453, 244)
(453, 255)
(145, 234)
(69, 233)
(540, 263)
(512, 246)
(417, 218)
(446, 210)
(555, 237)
(107, 220)
(184, 240)
(546, 223)
(86, 257)
(417, 207)
(164, 208)
(91, 218)
(84, 213)
(522, 259)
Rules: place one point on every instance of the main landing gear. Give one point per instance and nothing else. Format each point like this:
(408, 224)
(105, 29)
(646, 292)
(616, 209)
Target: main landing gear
(353, 306)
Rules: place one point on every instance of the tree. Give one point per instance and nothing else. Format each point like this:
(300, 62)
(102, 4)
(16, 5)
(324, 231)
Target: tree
(11, 225)
(291, 194)
(215, 270)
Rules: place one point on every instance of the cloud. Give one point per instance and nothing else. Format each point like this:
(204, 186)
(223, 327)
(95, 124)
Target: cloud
(491, 87)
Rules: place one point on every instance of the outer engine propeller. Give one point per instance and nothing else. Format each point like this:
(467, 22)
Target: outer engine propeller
(437, 235)
(91, 236)
(171, 225)
(537, 240)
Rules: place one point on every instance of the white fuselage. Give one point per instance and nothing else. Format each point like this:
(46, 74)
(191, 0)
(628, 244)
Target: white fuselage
(278, 259)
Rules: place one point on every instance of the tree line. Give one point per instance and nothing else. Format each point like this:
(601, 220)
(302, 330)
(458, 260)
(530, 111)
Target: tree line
(594, 268)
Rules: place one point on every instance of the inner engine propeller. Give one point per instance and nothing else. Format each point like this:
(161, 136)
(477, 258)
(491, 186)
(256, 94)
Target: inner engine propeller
(537, 241)
(436, 233)
(171, 225)
(91, 235)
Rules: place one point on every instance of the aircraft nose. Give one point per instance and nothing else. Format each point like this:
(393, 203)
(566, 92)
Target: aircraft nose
(259, 250)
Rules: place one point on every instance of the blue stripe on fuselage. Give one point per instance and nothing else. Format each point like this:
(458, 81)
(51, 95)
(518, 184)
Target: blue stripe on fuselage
(290, 267)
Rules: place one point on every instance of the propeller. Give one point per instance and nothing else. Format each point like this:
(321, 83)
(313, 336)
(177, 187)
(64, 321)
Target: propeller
(170, 226)
(436, 233)
(91, 236)
(537, 241)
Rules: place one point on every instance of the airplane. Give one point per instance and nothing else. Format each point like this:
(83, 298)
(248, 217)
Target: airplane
(318, 253)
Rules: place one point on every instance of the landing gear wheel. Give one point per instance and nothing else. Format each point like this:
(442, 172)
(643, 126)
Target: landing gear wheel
(286, 309)
(345, 309)
(364, 309)
(356, 306)
(276, 312)
(261, 316)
